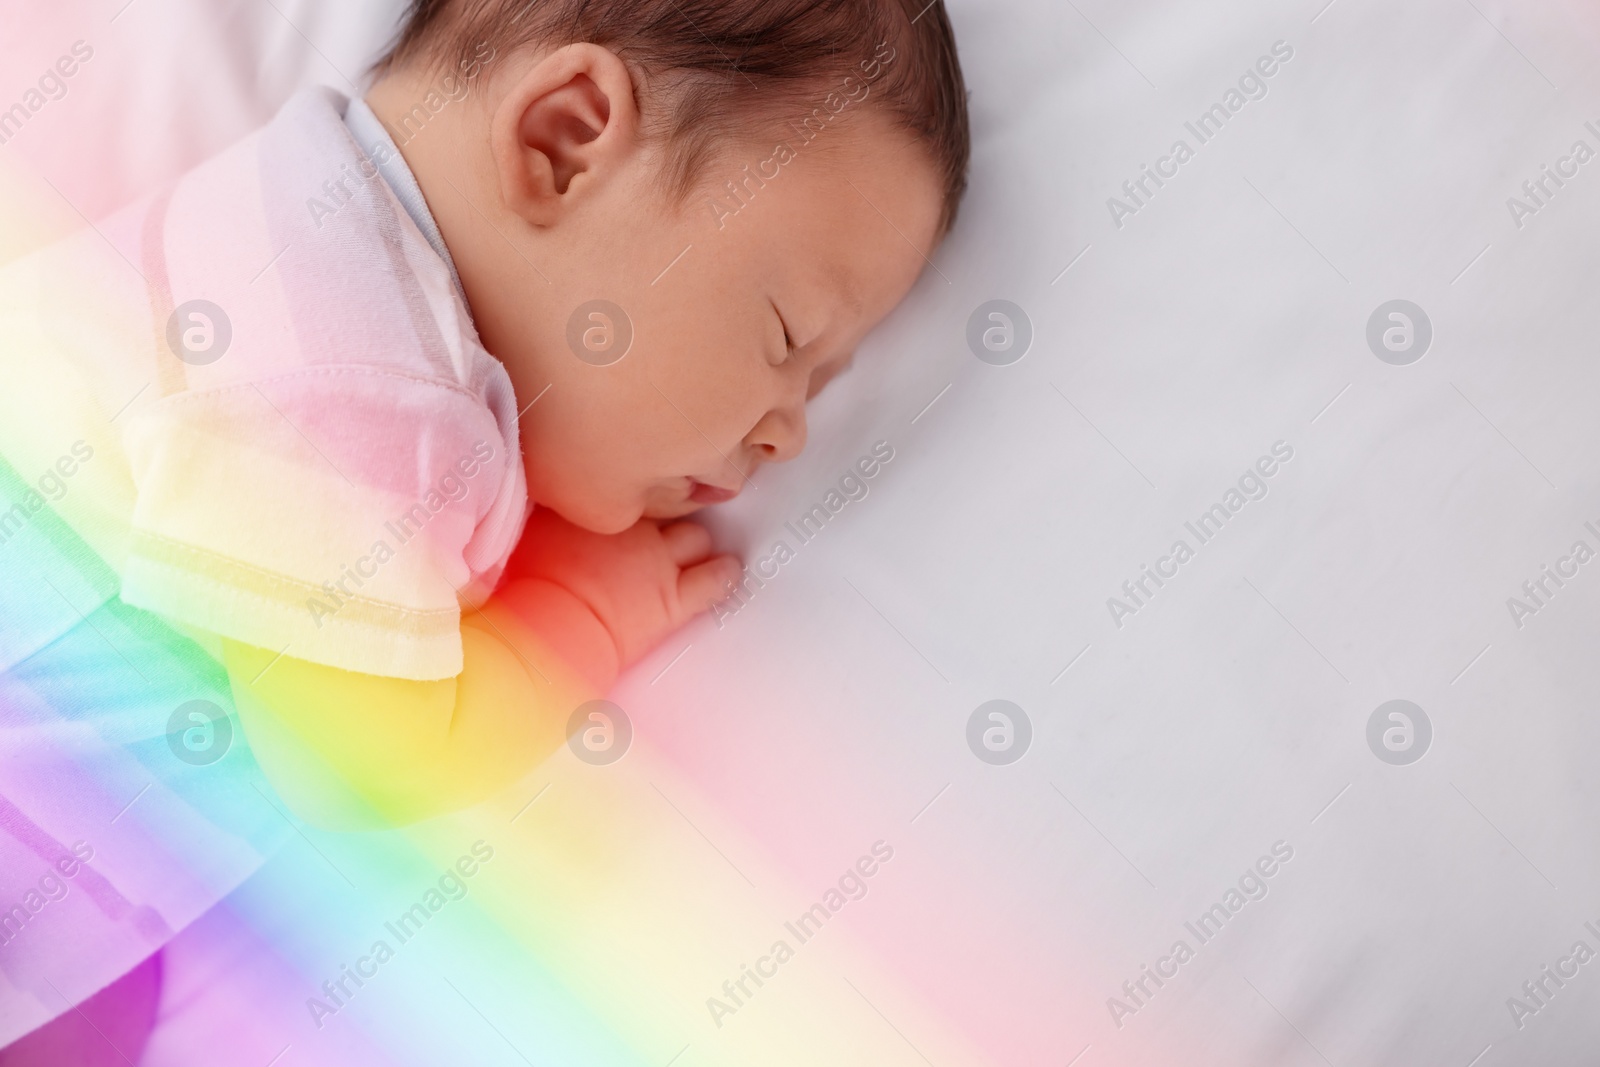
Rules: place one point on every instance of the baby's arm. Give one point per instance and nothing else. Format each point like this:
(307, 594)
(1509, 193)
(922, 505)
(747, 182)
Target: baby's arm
(357, 751)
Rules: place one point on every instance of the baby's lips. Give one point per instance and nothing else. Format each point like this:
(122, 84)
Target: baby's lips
(701, 493)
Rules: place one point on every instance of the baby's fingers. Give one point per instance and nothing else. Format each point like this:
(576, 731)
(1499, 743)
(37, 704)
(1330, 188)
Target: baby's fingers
(687, 542)
(706, 583)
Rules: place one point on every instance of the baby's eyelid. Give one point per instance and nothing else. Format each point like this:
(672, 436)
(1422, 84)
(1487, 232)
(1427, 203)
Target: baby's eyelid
(789, 347)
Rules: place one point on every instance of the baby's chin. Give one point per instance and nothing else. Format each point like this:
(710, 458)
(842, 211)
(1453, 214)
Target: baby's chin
(666, 512)
(619, 514)
(604, 511)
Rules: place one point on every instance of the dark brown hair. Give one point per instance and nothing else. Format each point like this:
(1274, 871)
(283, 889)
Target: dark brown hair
(709, 69)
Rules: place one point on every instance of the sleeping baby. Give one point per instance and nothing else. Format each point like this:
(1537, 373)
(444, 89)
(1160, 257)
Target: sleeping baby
(400, 404)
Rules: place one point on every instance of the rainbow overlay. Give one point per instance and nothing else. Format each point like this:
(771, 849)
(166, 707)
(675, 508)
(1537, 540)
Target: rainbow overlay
(596, 910)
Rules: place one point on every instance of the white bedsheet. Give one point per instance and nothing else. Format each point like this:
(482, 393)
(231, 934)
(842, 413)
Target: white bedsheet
(1229, 313)
(1230, 712)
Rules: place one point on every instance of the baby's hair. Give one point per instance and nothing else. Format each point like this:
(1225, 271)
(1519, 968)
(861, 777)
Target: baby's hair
(711, 69)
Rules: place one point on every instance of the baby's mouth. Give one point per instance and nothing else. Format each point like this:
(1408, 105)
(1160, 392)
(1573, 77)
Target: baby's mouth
(701, 493)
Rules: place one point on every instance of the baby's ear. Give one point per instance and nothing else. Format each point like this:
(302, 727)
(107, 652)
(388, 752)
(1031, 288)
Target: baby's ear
(567, 125)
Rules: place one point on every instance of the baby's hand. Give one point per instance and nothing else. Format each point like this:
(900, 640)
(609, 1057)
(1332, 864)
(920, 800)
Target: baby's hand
(641, 584)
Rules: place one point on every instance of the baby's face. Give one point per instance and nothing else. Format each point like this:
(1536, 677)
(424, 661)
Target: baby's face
(738, 317)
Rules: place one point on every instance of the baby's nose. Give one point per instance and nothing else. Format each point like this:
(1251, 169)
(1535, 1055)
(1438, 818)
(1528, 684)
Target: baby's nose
(780, 435)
